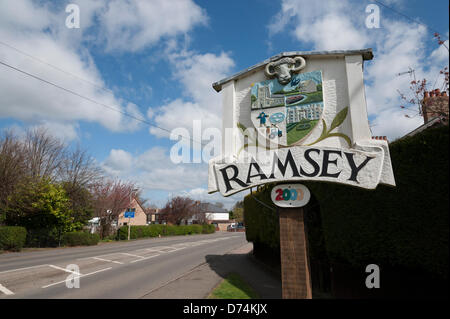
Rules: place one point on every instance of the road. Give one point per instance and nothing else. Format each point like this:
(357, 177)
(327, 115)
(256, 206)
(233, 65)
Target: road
(112, 270)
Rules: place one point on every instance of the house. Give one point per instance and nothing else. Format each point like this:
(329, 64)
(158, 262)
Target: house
(212, 214)
(140, 217)
(434, 110)
(153, 216)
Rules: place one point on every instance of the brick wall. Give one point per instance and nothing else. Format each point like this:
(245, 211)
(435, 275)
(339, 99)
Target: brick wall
(434, 104)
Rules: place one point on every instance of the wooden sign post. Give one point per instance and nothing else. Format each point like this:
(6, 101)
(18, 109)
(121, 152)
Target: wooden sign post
(295, 273)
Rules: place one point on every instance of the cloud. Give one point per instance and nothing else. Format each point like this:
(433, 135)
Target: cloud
(196, 72)
(136, 24)
(327, 25)
(398, 46)
(38, 28)
(201, 194)
(154, 170)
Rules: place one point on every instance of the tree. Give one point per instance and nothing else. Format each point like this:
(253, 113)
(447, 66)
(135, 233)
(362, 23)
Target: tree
(42, 208)
(178, 209)
(77, 168)
(415, 102)
(44, 154)
(79, 172)
(238, 212)
(111, 197)
(12, 166)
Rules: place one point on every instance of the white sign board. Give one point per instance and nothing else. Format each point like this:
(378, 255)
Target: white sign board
(290, 195)
(298, 116)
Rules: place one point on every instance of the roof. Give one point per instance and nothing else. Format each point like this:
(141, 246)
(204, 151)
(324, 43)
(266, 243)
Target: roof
(435, 121)
(367, 54)
(211, 208)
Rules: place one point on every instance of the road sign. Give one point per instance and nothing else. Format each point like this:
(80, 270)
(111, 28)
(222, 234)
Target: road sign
(129, 214)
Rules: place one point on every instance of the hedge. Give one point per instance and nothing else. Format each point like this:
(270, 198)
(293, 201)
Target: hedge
(406, 226)
(80, 239)
(164, 230)
(12, 237)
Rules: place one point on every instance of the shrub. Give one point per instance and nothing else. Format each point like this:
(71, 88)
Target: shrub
(12, 237)
(163, 230)
(406, 226)
(208, 229)
(80, 239)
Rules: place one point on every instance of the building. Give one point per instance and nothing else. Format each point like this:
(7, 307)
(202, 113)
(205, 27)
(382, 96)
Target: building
(140, 217)
(212, 214)
(434, 110)
(153, 216)
(435, 104)
(265, 99)
(309, 112)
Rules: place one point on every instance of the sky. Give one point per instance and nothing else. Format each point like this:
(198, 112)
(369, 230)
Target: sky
(156, 60)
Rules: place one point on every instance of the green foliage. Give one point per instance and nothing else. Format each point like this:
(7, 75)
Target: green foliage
(80, 202)
(43, 209)
(233, 287)
(208, 229)
(238, 214)
(12, 237)
(261, 223)
(164, 230)
(406, 226)
(80, 239)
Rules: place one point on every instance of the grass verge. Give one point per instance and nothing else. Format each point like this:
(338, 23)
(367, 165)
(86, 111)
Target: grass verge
(233, 287)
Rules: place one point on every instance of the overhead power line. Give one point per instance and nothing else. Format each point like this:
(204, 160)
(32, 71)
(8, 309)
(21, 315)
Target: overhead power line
(94, 101)
(97, 86)
(409, 18)
(55, 67)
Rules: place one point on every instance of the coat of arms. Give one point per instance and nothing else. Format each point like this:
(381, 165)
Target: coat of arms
(285, 112)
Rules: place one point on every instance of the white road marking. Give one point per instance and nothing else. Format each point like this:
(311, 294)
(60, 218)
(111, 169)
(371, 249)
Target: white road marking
(85, 275)
(64, 269)
(107, 260)
(5, 290)
(143, 258)
(132, 255)
(160, 249)
(4, 272)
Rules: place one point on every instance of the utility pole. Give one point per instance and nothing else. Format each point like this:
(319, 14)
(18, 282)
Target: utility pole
(129, 216)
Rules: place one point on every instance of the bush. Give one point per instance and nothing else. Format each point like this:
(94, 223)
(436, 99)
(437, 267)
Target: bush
(406, 227)
(164, 230)
(208, 229)
(12, 237)
(80, 239)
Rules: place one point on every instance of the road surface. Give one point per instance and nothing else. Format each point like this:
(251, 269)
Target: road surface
(112, 270)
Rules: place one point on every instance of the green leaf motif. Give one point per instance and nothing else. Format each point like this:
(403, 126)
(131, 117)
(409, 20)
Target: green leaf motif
(340, 117)
(337, 121)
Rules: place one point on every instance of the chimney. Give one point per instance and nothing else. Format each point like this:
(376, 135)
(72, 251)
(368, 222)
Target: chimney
(434, 104)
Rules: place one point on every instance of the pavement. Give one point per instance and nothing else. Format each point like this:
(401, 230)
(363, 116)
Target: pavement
(199, 282)
(169, 267)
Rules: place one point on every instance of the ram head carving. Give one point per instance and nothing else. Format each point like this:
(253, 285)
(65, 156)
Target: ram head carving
(284, 68)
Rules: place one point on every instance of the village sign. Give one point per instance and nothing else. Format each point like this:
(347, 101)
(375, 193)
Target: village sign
(299, 116)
